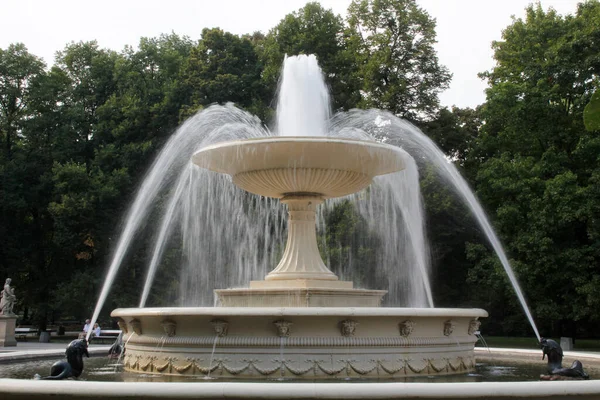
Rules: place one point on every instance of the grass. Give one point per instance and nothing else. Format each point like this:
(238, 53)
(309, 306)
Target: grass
(532, 343)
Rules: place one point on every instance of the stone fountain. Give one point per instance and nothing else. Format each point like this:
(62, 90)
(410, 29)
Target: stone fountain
(300, 322)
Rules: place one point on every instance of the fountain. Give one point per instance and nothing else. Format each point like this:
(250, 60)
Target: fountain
(301, 322)
(331, 329)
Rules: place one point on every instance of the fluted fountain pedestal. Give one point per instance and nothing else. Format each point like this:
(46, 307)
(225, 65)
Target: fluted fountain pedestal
(301, 259)
(301, 279)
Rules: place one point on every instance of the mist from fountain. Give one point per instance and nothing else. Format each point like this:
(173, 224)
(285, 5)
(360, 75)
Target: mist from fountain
(392, 208)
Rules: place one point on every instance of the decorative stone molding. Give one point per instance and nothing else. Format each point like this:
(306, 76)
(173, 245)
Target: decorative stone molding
(311, 367)
(169, 326)
(122, 325)
(136, 326)
(406, 327)
(311, 341)
(275, 182)
(220, 327)
(263, 343)
(283, 327)
(348, 327)
(449, 327)
(474, 326)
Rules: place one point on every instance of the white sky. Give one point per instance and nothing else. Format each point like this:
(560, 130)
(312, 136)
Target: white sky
(465, 28)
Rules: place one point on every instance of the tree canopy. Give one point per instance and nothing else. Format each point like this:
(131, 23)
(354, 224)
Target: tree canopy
(398, 67)
(537, 166)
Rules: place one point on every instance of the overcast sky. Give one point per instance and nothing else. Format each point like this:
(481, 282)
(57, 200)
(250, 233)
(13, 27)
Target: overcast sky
(465, 28)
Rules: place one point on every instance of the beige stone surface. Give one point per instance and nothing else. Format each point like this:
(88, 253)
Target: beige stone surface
(7, 331)
(300, 343)
(300, 283)
(299, 297)
(13, 389)
(301, 258)
(277, 166)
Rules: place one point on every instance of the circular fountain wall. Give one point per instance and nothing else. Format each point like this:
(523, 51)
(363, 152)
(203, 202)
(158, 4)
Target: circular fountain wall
(300, 343)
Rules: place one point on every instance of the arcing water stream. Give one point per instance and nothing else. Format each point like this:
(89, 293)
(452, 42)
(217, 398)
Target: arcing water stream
(223, 226)
(385, 126)
(211, 125)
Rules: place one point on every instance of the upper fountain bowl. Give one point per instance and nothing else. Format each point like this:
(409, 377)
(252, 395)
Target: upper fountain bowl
(282, 166)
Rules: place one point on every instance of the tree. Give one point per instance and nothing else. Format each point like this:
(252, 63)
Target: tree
(398, 67)
(130, 124)
(454, 131)
(538, 166)
(91, 74)
(21, 191)
(145, 106)
(18, 70)
(223, 68)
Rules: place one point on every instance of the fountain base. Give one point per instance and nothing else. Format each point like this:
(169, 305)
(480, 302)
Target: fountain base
(309, 297)
(300, 343)
(300, 293)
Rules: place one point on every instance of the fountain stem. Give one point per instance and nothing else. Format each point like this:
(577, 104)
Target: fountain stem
(301, 259)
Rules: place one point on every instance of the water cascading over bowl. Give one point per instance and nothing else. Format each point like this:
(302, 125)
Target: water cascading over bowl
(301, 321)
(302, 172)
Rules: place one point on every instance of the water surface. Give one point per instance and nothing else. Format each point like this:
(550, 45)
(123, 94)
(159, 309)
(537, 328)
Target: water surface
(106, 370)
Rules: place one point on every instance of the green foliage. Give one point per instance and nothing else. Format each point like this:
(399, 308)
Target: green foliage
(349, 246)
(18, 71)
(383, 57)
(454, 131)
(87, 129)
(536, 165)
(223, 68)
(393, 43)
(449, 229)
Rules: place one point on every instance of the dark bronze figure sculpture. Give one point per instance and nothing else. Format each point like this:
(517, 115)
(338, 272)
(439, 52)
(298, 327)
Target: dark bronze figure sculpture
(555, 355)
(73, 366)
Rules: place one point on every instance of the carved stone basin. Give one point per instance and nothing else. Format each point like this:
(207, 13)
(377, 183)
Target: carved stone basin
(300, 343)
(278, 166)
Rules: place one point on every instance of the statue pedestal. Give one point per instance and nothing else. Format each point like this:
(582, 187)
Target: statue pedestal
(7, 330)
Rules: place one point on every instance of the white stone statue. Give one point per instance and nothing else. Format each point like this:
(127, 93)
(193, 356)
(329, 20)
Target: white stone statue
(8, 298)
